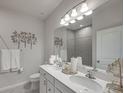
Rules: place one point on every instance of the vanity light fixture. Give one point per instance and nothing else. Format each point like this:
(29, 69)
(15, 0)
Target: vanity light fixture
(81, 25)
(74, 13)
(80, 18)
(67, 17)
(72, 21)
(62, 22)
(66, 24)
(84, 7)
(88, 13)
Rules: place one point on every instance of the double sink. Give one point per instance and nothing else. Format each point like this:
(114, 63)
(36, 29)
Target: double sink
(78, 82)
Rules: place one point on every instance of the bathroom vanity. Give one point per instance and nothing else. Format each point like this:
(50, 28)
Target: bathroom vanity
(52, 80)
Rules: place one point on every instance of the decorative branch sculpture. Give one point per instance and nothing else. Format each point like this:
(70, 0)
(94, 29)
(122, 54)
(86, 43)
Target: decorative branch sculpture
(116, 69)
(25, 38)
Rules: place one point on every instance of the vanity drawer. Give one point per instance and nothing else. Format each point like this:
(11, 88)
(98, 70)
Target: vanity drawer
(42, 72)
(50, 78)
(47, 76)
(57, 91)
(62, 88)
(50, 88)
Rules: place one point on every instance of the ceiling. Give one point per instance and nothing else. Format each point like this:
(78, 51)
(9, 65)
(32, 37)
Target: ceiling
(37, 8)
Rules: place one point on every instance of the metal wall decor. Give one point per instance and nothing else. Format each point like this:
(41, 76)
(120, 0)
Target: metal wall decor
(58, 41)
(24, 38)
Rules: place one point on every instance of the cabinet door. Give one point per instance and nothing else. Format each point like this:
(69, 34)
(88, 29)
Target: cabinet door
(61, 88)
(43, 85)
(57, 91)
(50, 87)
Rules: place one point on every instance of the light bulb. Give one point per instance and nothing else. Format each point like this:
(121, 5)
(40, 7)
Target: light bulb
(67, 17)
(66, 24)
(84, 7)
(88, 13)
(74, 13)
(62, 22)
(81, 25)
(72, 21)
(80, 18)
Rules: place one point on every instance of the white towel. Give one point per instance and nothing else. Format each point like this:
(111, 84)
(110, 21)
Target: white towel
(79, 61)
(15, 60)
(5, 60)
(52, 59)
(74, 62)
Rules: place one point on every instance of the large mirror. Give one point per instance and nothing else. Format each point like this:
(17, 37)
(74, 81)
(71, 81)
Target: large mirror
(97, 38)
(76, 41)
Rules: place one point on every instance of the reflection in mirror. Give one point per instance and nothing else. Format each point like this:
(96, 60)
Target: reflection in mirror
(76, 41)
(60, 43)
(97, 38)
(79, 44)
(109, 46)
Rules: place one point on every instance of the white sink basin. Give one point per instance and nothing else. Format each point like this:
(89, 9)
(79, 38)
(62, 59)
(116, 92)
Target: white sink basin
(88, 83)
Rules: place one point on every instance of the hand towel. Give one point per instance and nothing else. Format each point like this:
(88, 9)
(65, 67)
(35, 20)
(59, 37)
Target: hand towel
(5, 60)
(52, 59)
(15, 60)
(74, 62)
(79, 59)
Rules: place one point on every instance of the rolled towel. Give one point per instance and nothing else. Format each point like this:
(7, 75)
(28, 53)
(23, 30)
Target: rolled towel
(79, 61)
(74, 62)
(52, 59)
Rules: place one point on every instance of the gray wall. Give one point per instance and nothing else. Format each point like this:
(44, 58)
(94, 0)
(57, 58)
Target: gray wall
(30, 59)
(79, 43)
(70, 44)
(83, 44)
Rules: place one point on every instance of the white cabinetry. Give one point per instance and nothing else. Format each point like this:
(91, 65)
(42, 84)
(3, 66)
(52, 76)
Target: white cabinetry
(43, 84)
(62, 88)
(57, 91)
(48, 84)
(50, 87)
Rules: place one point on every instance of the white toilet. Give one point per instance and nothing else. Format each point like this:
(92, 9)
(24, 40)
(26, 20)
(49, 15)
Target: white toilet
(35, 80)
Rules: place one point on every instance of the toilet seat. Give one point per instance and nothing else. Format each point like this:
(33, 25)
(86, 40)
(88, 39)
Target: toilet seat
(35, 76)
(35, 79)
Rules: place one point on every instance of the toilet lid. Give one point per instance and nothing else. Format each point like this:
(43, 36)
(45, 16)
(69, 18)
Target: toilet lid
(35, 75)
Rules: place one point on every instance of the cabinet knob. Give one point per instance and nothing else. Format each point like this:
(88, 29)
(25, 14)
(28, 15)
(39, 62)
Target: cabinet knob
(49, 89)
(44, 74)
(98, 61)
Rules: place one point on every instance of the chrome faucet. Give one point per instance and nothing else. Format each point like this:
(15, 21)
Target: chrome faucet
(94, 68)
(90, 74)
